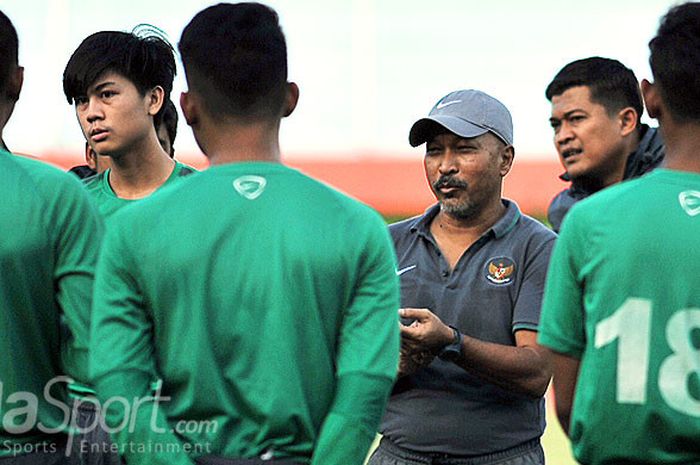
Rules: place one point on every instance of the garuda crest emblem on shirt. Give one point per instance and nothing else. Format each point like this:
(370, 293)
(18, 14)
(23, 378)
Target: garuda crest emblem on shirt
(500, 270)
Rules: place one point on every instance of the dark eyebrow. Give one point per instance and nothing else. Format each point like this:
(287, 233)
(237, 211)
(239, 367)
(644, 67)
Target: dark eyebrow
(566, 115)
(103, 85)
(575, 110)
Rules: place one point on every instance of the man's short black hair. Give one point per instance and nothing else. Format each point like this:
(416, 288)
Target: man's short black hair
(235, 58)
(170, 119)
(675, 61)
(612, 84)
(143, 56)
(8, 50)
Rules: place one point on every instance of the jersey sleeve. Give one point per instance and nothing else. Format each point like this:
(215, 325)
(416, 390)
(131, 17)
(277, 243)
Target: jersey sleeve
(122, 357)
(77, 237)
(367, 355)
(526, 312)
(562, 323)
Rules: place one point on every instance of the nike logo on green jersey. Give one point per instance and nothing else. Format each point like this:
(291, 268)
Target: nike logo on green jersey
(690, 201)
(250, 186)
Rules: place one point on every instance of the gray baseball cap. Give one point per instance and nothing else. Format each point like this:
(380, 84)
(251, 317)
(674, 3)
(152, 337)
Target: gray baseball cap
(467, 113)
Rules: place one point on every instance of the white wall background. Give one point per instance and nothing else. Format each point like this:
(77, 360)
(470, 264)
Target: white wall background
(366, 68)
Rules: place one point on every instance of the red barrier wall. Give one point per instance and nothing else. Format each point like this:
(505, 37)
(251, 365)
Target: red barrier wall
(396, 186)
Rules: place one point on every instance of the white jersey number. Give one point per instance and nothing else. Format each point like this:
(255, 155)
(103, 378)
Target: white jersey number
(631, 325)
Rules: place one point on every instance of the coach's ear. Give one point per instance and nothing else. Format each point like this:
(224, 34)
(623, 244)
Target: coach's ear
(507, 155)
(189, 109)
(652, 99)
(292, 99)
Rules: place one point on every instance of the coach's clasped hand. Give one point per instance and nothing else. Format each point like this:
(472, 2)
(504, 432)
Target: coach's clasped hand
(421, 340)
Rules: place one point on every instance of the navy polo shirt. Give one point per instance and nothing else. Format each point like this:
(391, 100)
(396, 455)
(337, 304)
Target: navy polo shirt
(494, 290)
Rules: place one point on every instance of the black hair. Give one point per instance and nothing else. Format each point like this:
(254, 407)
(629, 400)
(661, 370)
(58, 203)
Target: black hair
(235, 57)
(9, 46)
(143, 56)
(612, 84)
(675, 61)
(170, 119)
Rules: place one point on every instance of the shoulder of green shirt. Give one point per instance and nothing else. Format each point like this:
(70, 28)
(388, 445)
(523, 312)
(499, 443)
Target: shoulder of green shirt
(45, 177)
(611, 196)
(94, 184)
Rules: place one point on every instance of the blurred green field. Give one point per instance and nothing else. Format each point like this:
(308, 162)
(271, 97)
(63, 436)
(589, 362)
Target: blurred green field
(556, 445)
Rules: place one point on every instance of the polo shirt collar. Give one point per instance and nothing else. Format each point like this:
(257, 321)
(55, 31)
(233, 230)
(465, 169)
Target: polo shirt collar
(502, 227)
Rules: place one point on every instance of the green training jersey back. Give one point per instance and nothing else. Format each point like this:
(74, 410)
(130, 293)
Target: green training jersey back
(49, 238)
(269, 309)
(623, 295)
(108, 204)
(107, 201)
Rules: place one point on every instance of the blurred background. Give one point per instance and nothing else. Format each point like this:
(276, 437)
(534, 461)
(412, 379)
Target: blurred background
(367, 70)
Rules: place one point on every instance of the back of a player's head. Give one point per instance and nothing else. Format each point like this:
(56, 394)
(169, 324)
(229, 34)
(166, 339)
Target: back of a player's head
(612, 84)
(675, 61)
(8, 53)
(235, 58)
(143, 57)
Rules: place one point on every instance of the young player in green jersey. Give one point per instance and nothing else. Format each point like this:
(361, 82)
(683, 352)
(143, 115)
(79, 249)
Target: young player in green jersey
(119, 83)
(265, 300)
(50, 236)
(622, 307)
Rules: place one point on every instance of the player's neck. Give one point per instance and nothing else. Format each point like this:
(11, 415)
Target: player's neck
(141, 170)
(242, 142)
(6, 109)
(600, 181)
(682, 143)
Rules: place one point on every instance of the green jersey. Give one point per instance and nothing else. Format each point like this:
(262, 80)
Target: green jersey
(50, 238)
(622, 296)
(108, 204)
(107, 201)
(266, 301)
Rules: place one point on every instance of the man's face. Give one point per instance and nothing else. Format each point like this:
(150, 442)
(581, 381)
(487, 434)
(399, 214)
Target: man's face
(113, 115)
(587, 138)
(464, 174)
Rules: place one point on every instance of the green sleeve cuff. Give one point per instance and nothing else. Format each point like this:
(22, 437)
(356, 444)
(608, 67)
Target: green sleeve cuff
(350, 427)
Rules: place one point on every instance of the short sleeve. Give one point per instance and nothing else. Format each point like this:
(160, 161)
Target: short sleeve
(562, 323)
(526, 313)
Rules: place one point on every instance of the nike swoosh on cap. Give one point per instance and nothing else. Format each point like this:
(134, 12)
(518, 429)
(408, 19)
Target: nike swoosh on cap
(441, 105)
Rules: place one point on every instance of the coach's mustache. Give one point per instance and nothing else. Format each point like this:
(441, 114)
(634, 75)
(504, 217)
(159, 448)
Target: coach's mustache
(449, 181)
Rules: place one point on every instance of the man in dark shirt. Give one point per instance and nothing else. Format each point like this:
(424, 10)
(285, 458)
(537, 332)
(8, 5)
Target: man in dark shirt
(472, 272)
(596, 113)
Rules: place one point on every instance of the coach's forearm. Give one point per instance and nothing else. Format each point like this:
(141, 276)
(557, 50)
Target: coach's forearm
(522, 369)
